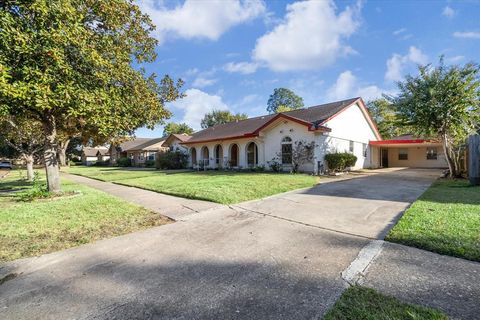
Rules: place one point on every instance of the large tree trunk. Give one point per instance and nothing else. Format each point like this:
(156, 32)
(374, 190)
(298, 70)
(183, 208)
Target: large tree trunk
(448, 157)
(50, 156)
(29, 161)
(62, 150)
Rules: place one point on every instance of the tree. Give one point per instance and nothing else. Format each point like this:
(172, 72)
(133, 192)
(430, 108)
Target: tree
(220, 117)
(23, 136)
(68, 65)
(284, 98)
(383, 112)
(177, 128)
(302, 153)
(444, 103)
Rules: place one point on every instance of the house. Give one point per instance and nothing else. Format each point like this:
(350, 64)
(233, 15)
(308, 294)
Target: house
(174, 142)
(408, 151)
(92, 155)
(342, 126)
(138, 150)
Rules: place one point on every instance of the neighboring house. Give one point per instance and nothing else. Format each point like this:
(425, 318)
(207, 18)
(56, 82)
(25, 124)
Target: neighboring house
(174, 142)
(138, 150)
(92, 155)
(408, 151)
(342, 126)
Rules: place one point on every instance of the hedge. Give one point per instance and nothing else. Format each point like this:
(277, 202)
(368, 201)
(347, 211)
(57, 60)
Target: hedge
(340, 161)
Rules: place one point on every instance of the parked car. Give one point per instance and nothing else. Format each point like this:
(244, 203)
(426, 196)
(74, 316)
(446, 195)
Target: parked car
(6, 165)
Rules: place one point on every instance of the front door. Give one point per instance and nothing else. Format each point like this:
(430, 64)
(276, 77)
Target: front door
(384, 155)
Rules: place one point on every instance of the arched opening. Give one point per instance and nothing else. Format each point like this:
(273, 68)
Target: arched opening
(193, 156)
(252, 154)
(234, 155)
(205, 156)
(218, 155)
(287, 150)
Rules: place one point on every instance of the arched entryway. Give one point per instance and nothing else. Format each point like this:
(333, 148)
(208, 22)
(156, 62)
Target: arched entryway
(252, 154)
(218, 154)
(205, 156)
(233, 157)
(193, 156)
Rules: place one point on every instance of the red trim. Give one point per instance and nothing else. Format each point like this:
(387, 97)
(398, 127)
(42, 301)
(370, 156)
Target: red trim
(365, 112)
(257, 131)
(412, 141)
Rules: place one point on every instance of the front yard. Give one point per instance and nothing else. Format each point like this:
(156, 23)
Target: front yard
(47, 225)
(224, 187)
(445, 219)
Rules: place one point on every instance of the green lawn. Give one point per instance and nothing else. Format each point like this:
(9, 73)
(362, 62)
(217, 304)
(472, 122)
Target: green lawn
(359, 303)
(217, 186)
(42, 226)
(445, 219)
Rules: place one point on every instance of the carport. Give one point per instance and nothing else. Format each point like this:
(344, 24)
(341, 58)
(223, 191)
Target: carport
(407, 151)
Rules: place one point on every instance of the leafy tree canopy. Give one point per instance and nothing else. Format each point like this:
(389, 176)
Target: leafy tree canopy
(177, 128)
(283, 98)
(388, 124)
(220, 117)
(442, 102)
(68, 65)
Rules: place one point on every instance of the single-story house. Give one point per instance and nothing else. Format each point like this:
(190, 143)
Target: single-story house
(408, 151)
(342, 126)
(93, 155)
(138, 150)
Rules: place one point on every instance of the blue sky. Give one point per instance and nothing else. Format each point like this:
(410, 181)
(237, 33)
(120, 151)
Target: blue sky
(232, 54)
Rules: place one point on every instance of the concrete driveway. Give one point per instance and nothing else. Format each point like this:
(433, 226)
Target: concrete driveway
(277, 258)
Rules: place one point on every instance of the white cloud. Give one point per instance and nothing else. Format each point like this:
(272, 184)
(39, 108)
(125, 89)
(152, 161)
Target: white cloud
(200, 19)
(201, 82)
(454, 59)
(311, 36)
(196, 104)
(448, 12)
(241, 67)
(467, 35)
(348, 86)
(399, 31)
(397, 63)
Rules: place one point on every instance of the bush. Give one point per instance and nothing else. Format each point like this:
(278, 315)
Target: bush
(124, 162)
(39, 190)
(340, 161)
(101, 163)
(150, 163)
(275, 164)
(172, 160)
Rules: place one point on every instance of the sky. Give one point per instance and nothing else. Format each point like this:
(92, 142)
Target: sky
(233, 54)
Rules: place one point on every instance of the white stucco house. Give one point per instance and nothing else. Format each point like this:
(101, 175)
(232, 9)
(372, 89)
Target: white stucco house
(342, 126)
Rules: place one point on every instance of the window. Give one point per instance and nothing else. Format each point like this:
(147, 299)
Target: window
(252, 154)
(432, 153)
(402, 154)
(170, 148)
(141, 157)
(287, 150)
(151, 156)
(351, 146)
(364, 149)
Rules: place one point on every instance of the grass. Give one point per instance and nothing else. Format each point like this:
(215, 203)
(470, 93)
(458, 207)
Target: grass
(42, 226)
(358, 303)
(445, 219)
(216, 186)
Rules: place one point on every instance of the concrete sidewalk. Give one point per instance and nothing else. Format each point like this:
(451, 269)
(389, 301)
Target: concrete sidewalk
(426, 278)
(173, 207)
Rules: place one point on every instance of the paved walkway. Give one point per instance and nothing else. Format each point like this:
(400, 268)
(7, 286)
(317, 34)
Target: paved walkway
(280, 257)
(170, 206)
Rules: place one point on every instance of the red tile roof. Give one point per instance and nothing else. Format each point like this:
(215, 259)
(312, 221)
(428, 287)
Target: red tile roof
(314, 117)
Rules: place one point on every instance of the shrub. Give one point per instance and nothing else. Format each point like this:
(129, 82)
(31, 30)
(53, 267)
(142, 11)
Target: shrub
(172, 160)
(39, 190)
(340, 161)
(150, 163)
(101, 163)
(124, 162)
(275, 164)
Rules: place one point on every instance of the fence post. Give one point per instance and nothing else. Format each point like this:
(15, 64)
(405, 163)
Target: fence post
(474, 159)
